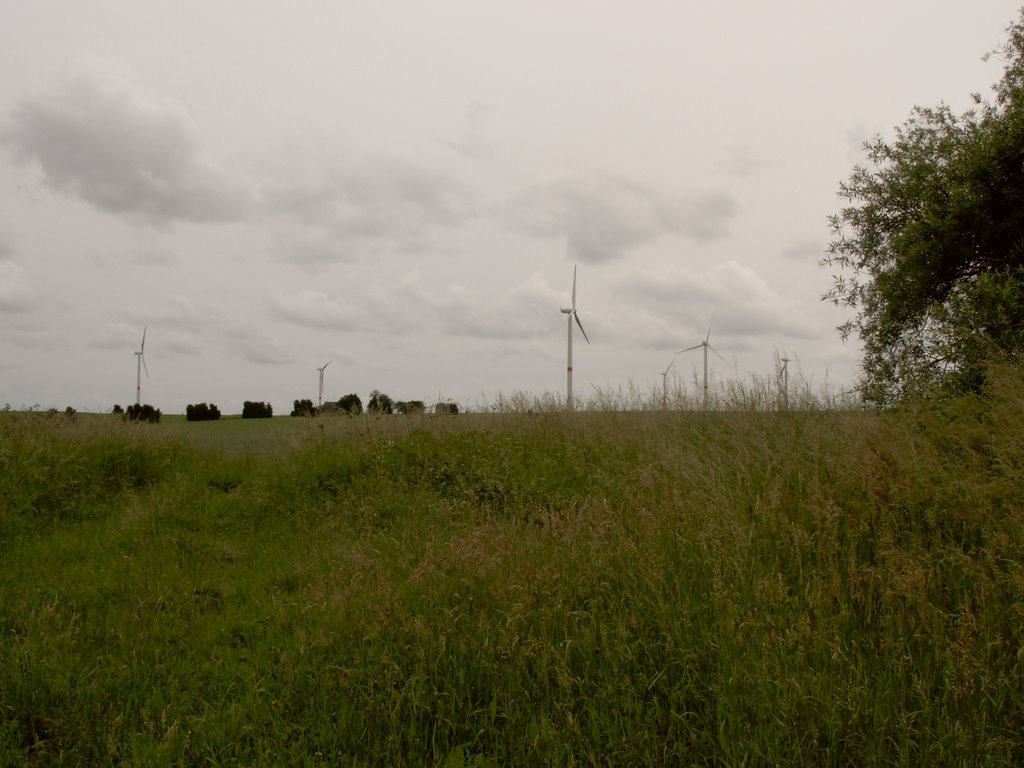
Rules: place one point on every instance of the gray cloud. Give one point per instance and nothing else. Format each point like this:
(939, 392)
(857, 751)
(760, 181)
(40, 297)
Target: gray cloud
(254, 346)
(351, 205)
(679, 304)
(6, 248)
(524, 311)
(473, 143)
(15, 295)
(807, 250)
(311, 246)
(314, 309)
(96, 138)
(603, 216)
(412, 306)
(742, 161)
(855, 137)
(179, 325)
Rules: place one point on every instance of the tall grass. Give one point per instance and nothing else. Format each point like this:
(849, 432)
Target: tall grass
(775, 392)
(601, 588)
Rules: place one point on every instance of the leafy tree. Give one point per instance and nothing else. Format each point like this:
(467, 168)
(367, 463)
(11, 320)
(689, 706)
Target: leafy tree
(303, 407)
(256, 410)
(143, 412)
(351, 404)
(929, 251)
(446, 408)
(117, 409)
(380, 403)
(202, 412)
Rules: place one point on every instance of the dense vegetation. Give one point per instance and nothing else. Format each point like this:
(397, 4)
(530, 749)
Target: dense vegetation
(142, 412)
(252, 409)
(202, 412)
(303, 407)
(639, 588)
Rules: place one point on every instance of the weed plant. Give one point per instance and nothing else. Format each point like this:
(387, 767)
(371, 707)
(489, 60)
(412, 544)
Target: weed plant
(654, 587)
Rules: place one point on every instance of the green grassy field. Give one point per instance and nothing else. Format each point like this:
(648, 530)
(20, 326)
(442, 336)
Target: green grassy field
(622, 588)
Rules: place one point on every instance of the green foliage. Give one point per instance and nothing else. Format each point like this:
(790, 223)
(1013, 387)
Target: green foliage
(303, 408)
(351, 404)
(932, 243)
(202, 412)
(256, 410)
(644, 588)
(380, 403)
(446, 408)
(142, 412)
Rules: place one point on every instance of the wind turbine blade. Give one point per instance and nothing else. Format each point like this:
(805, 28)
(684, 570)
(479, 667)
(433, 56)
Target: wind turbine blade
(142, 347)
(719, 356)
(574, 288)
(581, 326)
(144, 367)
(326, 364)
(695, 346)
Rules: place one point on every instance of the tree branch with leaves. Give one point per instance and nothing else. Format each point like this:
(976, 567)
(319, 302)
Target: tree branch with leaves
(927, 252)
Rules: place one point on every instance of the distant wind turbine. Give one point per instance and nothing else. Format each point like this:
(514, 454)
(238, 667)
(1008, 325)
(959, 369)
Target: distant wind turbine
(140, 363)
(320, 370)
(784, 374)
(664, 379)
(785, 379)
(571, 314)
(706, 344)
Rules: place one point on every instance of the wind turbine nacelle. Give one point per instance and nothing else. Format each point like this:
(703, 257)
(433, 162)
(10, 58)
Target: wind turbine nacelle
(568, 311)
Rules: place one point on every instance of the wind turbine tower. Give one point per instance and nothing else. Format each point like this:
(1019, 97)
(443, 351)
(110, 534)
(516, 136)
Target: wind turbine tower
(320, 370)
(706, 344)
(140, 363)
(570, 313)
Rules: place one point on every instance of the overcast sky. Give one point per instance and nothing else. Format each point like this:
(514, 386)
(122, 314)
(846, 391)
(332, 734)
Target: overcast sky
(404, 188)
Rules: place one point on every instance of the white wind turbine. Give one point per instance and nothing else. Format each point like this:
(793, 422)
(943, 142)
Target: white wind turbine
(706, 344)
(664, 378)
(320, 370)
(785, 379)
(783, 372)
(140, 363)
(571, 314)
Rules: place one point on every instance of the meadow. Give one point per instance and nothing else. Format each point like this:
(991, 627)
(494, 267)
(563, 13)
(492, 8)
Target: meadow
(610, 587)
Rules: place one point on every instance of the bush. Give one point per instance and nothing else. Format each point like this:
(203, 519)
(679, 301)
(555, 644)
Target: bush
(254, 410)
(380, 403)
(446, 408)
(143, 412)
(351, 404)
(202, 412)
(303, 407)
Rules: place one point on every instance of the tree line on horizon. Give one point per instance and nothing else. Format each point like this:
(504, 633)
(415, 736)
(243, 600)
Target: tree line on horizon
(378, 403)
(350, 404)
